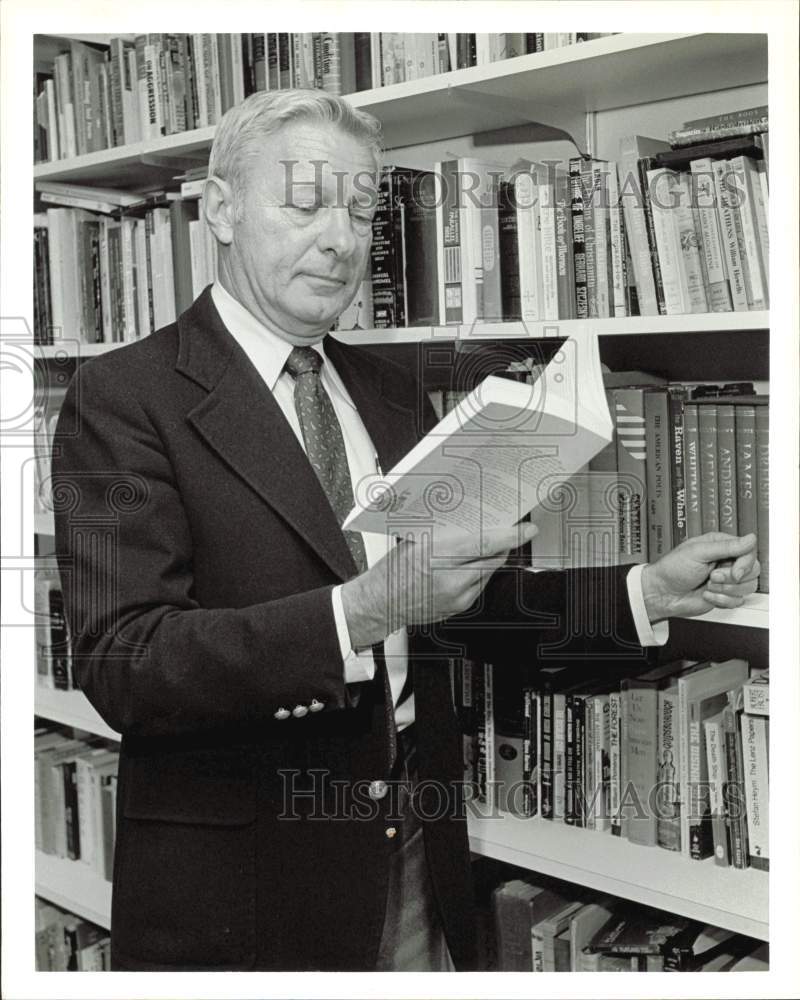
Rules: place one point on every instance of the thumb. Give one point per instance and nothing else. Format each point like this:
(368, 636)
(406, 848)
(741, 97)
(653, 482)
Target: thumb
(715, 546)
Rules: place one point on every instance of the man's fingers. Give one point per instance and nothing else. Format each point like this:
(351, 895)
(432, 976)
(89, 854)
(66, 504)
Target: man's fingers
(715, 546)
(724, 574)
(722, 600)
(733, 589)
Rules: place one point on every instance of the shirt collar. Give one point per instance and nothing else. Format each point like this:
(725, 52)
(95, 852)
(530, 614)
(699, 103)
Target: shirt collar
(266, 349)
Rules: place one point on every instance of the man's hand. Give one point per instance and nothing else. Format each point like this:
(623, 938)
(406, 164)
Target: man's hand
(417, 583)
(710, 571)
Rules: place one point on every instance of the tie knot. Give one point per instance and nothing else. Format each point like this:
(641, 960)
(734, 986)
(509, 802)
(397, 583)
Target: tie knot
(303, 360)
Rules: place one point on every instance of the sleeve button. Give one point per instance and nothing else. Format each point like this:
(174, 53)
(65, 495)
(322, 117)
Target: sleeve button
(316, 706)
(299, 711)
(282, 713)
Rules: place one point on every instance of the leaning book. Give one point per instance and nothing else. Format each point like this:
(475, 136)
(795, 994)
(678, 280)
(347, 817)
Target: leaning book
(507, 448)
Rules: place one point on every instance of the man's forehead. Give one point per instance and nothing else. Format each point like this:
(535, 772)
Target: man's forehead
(311, 149)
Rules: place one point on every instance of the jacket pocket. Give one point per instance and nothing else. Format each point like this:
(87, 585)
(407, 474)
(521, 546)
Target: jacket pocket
(185, 872)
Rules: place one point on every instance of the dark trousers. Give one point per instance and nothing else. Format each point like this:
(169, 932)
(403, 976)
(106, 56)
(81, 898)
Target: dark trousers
(413, 940)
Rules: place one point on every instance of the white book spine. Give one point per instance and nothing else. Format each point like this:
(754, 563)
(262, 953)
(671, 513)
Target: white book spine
(730, 242)
(127, 276)
(483, 49)
(105, 282)
(140, 247)
(54, 217)
(530, 271)
(755, 750)
(237, 67)
(85, 814)
(547, 231)
(199, 60)
(599, 208)
(704, 195)
(131, 116)
(602, 733)
(636, 227)
(488, 710)
(662, 184)
(744, 172)
(52, 121)
(618, 303)
(692, 286)
(198, 255)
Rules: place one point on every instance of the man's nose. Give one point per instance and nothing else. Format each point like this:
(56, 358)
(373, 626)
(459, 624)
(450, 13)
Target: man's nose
(337, 233)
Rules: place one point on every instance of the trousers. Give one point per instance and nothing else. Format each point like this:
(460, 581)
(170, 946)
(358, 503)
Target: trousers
(413, 939)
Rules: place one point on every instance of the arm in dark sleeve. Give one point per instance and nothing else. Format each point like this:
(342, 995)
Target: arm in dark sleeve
(148, 656)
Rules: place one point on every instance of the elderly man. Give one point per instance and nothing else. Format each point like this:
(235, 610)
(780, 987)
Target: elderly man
(279, 701)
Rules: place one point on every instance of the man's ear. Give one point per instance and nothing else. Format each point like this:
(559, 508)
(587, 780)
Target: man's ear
(219, 206)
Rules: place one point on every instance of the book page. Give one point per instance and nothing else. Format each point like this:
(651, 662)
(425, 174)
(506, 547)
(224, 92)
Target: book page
(498, 455)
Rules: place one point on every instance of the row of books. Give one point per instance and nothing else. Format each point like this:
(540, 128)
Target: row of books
(103, 279)
(67, 943)
(674, 757)
(542, 925)
(75, 788)
(684, 460)
(100, 96)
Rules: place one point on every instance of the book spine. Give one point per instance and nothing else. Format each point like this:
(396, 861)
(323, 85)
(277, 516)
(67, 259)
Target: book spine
(564, 240)
(668, 798)
(744, 178)
(616, 226)
(421, 268)
(636, 228)
(331, 63)
(708, 467)
(676, 404)
(704, 195)
(632, 465)
(755, 747)
(602, 735)
(614, 762)
(644, 166)
(509, 253)
(579, 758)
(745, 433)
(589, 197)
(640, 754)
(726, 450)
(578, 239)
(549, 251)
(694, 522)
(546, 766)
(733, 793)
(701, 844)
(690, 263)
(559, 757)
(73, 838)
(530, 753)
(762, 496)
(663, 184)
(659, 487)
(449, 239)
(726, 213)
(528, 248)
(590, 785)
(387, 298)
(485, 248)
(715, 754)
(569, 760)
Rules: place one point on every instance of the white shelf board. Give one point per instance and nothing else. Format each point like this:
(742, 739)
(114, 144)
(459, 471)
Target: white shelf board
(71, 708)
(555, 87)
(726, 897)
(75, 887)
(699, 323)
(754, 613)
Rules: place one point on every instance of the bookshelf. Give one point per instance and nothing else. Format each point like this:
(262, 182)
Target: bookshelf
(586, 90)
(75, 887)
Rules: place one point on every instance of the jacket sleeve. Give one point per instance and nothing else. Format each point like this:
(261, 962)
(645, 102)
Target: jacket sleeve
(150, 659)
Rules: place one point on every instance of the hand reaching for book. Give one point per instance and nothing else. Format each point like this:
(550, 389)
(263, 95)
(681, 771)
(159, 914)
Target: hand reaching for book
(417, 583)
(711, 571)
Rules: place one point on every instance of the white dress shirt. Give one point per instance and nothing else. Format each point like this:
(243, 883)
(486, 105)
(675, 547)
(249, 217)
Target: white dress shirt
(268, 353)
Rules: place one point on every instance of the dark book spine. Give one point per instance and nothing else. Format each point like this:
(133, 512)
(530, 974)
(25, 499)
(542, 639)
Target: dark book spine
(676, 403)
(259, 61)
(59, 640)
(421, 265)
(733, 794)
(745, 418)
(546, 764)
(452, 299)
(363, 53)
(565, 271)
(726, 470)
(578, 239)
(762, 496)
(569, 760)
(68, 770)
(709, 476)
(509, 252)
(385, 297)
(691, 467)
(645, 164)
(530, 752)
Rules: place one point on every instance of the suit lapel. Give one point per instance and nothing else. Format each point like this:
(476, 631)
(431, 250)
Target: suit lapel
(244, 425)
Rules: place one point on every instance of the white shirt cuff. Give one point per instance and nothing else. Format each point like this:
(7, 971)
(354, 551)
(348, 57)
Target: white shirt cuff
(359, 665)
(649, 634)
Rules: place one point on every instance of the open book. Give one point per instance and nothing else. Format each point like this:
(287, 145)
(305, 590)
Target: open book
(507, 448)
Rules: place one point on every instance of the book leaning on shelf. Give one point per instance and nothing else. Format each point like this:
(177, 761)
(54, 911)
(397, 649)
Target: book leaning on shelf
(67, 943)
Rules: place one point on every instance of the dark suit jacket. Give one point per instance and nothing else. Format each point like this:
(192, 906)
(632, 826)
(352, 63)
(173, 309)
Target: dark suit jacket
(198, 555)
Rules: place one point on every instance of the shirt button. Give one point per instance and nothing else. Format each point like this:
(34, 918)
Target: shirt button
(299, 711)
(391, 831)
(316, 706)
(377, 789)
(282, 713)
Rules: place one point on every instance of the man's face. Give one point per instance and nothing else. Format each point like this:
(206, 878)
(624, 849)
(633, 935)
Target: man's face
(301, 242)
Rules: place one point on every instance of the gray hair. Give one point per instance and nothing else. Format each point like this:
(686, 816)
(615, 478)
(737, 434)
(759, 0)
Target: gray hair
(242, 129)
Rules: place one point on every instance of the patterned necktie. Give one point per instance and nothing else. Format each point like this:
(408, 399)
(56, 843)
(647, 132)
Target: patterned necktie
(325, 448)
(322, 435)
